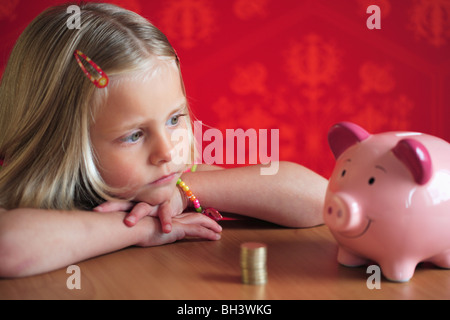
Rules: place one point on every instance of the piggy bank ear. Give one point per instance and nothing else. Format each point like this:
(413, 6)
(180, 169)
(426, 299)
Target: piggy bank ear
(416, 158)
(343, 135)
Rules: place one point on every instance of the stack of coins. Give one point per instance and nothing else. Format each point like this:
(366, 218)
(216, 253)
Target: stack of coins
(253, 263)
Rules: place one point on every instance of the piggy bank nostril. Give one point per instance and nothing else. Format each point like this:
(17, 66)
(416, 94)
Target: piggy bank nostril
(330, 210)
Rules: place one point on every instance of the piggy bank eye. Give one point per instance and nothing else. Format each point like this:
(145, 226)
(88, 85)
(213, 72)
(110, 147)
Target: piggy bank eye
(371, 181)
(343, 173)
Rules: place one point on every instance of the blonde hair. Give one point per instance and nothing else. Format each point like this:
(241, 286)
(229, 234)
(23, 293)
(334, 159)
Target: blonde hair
(47, 103)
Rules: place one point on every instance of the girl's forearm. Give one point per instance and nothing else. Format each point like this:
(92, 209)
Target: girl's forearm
(292, 197)
(34, 241)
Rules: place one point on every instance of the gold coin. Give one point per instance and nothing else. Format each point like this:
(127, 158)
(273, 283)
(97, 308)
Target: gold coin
(253, 263)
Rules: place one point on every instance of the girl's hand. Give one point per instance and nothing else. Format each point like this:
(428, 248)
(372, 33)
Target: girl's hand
(191, 224)
(165, 211)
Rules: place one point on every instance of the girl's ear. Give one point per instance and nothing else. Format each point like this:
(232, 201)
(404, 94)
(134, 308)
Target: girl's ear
(343, 135)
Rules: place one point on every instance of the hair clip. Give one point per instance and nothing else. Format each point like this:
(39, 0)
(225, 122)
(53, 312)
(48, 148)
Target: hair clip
(101, 82)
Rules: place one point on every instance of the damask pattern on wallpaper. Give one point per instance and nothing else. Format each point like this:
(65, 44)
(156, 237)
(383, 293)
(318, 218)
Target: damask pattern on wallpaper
(300, 66)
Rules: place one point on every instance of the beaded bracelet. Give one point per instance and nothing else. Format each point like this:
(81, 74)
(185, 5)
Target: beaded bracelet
(210, 212)
(190, 195)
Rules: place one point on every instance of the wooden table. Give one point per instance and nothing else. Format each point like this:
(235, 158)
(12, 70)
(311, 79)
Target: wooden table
(301, 265)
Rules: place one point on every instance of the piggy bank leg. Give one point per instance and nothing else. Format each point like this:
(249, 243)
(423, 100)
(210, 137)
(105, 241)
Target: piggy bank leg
(442, 260)
(349, 259)
(398, 271)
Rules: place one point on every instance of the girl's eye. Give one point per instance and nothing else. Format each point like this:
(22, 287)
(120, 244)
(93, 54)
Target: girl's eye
(132, 138)
(173, 121)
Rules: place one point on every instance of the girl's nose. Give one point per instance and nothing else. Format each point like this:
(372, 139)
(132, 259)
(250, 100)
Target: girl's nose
(160, 152)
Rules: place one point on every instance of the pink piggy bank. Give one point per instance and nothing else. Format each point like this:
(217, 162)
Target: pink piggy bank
(388, 199)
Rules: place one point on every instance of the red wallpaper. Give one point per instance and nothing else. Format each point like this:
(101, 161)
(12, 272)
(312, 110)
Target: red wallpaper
(297, 65)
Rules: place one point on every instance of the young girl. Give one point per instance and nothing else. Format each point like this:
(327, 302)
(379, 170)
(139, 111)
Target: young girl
(87, 155)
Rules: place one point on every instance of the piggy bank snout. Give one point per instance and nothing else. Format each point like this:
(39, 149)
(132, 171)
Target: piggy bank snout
(342, 213)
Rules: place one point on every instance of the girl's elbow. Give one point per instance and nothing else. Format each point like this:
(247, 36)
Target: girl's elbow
(306, 220)
(12, 258)
(310, 213)
(9, 260)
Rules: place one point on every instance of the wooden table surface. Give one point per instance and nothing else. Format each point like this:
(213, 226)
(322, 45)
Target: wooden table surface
(301, 264)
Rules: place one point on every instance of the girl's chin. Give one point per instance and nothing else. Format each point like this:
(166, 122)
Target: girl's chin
(155, 196)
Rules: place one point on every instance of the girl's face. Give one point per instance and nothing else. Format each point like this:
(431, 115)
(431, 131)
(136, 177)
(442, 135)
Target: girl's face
(132, 134)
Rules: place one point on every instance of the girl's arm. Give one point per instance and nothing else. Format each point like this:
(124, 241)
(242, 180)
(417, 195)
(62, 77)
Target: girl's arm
(34, 241)
(292, 197)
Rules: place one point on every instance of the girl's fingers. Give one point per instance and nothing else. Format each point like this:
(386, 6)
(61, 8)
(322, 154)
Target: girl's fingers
(199, 231)
(199, 219)
(139, 211)
(113, 206)
(165, 216)
(192, 225)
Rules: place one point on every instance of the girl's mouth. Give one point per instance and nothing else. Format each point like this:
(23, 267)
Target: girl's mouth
(164, 179)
